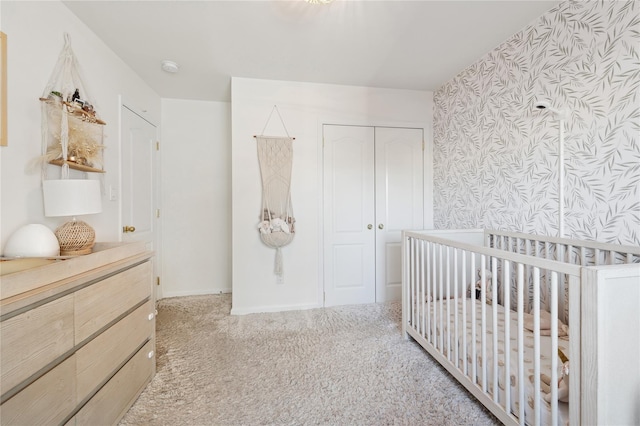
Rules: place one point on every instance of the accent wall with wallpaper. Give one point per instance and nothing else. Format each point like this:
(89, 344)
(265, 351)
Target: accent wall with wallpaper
(496, 156)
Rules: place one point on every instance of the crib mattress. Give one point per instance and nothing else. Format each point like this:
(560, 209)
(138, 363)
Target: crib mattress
(545, 352)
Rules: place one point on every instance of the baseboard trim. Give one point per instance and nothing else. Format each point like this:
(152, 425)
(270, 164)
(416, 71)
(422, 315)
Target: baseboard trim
(280, 308)
(195, 293)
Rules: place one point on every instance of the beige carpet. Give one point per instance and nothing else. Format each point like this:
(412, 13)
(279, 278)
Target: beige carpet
(337, 366)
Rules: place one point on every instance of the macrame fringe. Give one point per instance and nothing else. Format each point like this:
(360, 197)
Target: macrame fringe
(278, 268)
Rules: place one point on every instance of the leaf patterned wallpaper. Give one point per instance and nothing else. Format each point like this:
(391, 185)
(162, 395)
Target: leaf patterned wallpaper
(496, 157)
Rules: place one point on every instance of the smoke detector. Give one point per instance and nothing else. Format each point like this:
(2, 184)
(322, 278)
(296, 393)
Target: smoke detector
(169, 66)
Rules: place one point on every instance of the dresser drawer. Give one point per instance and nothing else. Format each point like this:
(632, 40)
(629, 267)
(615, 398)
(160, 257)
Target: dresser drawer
(101, 303)
(31, 340)
(47, 401)
(104, 354)
(115, 398)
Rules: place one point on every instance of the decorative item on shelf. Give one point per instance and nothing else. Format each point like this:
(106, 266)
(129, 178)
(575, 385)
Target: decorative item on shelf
(72, 132)
(32, 240)
(83, 136)
(73, 197)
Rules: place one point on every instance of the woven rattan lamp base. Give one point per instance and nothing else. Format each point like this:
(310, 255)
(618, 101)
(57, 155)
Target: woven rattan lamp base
(75, 237)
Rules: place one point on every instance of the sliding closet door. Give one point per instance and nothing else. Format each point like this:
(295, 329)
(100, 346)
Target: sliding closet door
(349, 215)
(399, 202)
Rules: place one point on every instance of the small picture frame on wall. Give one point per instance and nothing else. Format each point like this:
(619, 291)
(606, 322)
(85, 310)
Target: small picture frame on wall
(3, 89)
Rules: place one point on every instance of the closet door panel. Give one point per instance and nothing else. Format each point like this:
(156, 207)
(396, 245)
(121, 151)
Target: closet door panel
(349, 266)
(399, 201)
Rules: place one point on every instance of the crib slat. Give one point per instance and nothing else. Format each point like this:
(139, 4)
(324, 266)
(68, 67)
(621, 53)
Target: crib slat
(521, 384)
(554, 349)
(421, 295)
(560, 302)
(440, 304)
(416, 290)
(434, 268)
(549, 256)
(414, 285)
(536, 345)
(575, 347)
(448, 294)
(483, 320)
(506, 280)
(456, 337)
(414, 315)
(494, 306)
(425, 285)
(428, 296)
(464, 315)
(474, 351)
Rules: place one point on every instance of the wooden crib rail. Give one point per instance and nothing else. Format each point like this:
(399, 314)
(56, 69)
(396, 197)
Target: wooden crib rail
(561, 267)
(588, 253)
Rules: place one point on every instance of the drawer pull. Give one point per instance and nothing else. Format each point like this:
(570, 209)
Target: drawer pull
(151, 315)
(150, 354)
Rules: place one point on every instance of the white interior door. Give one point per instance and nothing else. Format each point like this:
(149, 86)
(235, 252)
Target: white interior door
(399, 202)
(373, 189)
(140, 184)
(138, 189)
(349, 246)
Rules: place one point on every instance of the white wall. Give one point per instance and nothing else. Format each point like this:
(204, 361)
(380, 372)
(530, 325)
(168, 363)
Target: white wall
(304, 107)
(196, 197)
(35, 38)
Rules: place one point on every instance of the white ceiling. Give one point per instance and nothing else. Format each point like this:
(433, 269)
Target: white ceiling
(416, 45)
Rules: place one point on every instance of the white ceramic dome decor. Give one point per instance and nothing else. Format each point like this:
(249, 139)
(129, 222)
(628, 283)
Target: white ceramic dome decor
(33, 240)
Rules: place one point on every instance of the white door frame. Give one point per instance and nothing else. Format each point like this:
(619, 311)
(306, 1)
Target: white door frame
(428, 175)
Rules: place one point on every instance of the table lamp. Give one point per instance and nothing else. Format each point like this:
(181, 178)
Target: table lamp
(73, 197)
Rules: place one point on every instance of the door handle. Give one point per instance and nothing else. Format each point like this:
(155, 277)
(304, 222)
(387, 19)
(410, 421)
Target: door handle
(381, 226)
(369, 226)
(126, 229)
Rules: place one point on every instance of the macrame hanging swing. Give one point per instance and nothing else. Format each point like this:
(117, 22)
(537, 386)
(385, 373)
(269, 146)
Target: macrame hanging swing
(277, 223)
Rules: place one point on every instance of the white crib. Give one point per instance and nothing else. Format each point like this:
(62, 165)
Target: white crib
(503, 339)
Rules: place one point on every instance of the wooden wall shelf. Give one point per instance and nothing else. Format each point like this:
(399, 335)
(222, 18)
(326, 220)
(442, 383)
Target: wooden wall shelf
(76, 166)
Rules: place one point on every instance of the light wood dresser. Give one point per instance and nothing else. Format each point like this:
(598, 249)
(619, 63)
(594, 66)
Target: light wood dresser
(77, 336)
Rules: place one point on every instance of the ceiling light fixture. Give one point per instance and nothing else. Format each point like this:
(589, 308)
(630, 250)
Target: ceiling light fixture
(169, 66)
(319, 1)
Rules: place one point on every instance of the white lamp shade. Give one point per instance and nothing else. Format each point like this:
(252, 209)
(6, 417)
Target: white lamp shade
(71, 197)
(33, 240)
